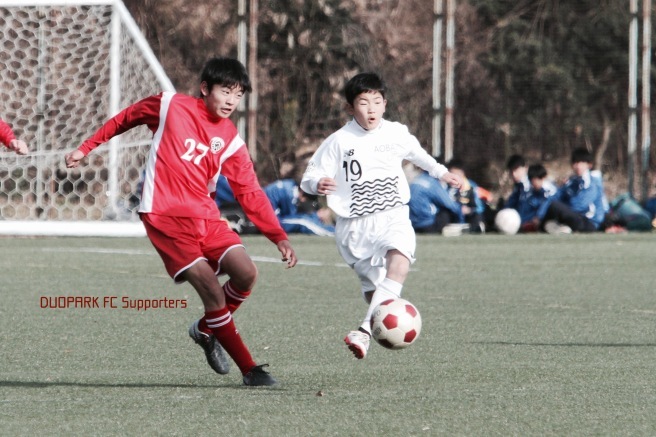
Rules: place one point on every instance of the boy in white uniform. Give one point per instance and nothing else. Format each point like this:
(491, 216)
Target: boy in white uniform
(359, 168)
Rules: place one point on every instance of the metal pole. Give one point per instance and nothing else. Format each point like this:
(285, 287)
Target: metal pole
(437, 77)
(633, 86)
(41, 109)
(114, 103)
(646, 100)
(450, 68)
(133, 30)
(242, 38)
(252, 72)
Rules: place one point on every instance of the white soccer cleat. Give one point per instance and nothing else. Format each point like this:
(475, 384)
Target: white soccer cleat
(554, 228)
(358, 343)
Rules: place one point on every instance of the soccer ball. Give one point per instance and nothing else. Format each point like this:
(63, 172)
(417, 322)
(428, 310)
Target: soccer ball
(508, 221)
(395, 324)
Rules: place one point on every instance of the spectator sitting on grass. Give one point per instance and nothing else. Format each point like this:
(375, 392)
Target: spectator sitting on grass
(580, 205)
(531, 196)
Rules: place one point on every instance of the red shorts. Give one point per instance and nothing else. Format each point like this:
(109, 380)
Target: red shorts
(183, 241)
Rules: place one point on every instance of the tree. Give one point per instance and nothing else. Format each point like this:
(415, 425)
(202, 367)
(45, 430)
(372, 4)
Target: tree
(560, 71)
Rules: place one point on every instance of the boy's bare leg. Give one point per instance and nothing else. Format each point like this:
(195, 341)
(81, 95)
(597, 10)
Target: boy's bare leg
(398, 267)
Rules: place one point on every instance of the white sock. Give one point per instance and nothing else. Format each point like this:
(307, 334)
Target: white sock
(388, 289)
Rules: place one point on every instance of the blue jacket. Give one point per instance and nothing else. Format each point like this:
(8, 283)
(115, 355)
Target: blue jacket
(650, 206)
(223, 193)
(284, 197)
(427, 198)
(467, 195)
(480, 205)
(585, 195)
(531, 203)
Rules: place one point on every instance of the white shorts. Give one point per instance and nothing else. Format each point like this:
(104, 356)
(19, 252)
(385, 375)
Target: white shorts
(363, 242)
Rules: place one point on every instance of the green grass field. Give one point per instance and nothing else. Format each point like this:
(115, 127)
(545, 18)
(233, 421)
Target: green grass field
(523, 335)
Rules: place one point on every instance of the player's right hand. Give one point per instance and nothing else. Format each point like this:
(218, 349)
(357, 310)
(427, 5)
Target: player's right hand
(73, 159)
(18, 146)
(452, 179)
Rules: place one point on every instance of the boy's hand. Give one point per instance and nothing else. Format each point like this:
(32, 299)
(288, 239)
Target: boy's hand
(452, 179)
(288, 254)
(326, 186)
(18, 146)
(73, 159)
(326, 216)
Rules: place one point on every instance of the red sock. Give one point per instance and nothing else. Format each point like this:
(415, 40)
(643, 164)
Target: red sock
(202, 326)
(234, 297)
(223, 328)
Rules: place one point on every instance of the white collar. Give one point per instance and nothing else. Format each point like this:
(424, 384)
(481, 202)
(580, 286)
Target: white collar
(354, 122)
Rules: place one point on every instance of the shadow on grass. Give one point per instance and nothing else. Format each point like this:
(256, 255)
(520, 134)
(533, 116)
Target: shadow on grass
(46, 384)
(608, 345)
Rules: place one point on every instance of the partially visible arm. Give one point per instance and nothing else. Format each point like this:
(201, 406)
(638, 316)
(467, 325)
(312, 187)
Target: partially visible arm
(258, 209)
(419, 157)
(6, 134)
(8, 138)
(145, 111)
(239, 171)
(440, 197)
(18, 146)
(544, 206)
(513, 199)
(322, 169)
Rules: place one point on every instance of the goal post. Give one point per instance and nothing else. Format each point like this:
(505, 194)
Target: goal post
(68, 66)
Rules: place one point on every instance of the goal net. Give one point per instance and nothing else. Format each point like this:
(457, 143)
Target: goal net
(68, 66)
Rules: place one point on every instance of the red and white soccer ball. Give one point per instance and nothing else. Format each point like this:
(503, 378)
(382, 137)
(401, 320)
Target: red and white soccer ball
(395, 324)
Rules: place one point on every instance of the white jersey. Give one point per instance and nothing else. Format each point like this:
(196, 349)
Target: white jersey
(368, 168)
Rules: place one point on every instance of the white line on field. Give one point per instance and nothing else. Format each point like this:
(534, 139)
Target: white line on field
(97, 250)
(104, 250)
(265, 259)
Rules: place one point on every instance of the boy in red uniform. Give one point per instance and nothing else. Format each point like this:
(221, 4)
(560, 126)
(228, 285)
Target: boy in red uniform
(193, 142)
(8, 138)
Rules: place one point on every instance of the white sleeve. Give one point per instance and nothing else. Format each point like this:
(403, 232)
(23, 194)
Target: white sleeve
(419, 157)
(324, 163)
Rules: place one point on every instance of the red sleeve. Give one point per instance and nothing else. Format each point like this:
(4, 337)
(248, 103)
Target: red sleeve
(6, 134)
(239, 171)
(145, 111)
(257, 207)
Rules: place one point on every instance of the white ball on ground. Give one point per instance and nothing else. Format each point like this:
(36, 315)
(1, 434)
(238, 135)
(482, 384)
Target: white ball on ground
(507, 221)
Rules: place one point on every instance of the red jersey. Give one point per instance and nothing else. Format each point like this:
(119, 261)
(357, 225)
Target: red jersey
(6, 134)
(190, 149)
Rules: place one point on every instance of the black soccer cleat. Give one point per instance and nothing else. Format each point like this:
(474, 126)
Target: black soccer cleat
(259, 376)
(214, 353)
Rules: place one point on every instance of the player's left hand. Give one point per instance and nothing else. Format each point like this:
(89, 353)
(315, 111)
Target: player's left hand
(452, 179)
(288, 254)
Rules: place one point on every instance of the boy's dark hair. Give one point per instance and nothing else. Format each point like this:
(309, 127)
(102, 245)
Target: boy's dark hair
(226, 72)
(515, 161)
(456, 163)
(537, 171)
(363, 83)
(581, 155)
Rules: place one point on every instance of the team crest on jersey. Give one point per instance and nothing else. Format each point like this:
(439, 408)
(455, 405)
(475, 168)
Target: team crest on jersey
(217, 144)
